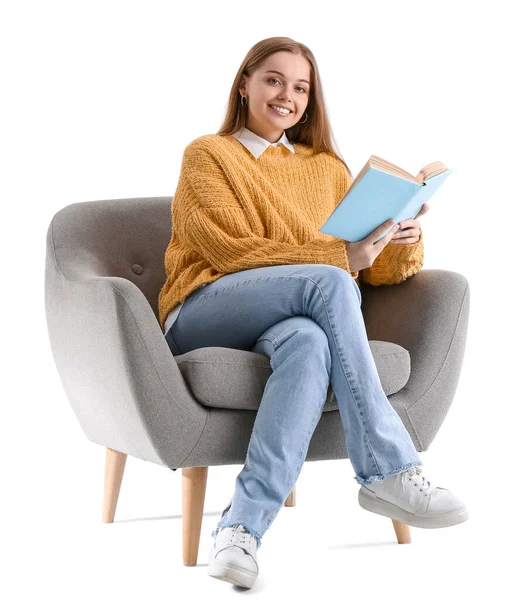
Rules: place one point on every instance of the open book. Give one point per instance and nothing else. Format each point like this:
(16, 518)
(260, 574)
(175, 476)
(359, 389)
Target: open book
(380, 192)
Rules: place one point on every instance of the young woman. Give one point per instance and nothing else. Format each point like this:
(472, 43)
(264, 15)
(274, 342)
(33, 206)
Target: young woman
(248, 269)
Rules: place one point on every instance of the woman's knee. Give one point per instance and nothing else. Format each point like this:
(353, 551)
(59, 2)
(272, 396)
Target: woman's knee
(302, 331)
(331, 276)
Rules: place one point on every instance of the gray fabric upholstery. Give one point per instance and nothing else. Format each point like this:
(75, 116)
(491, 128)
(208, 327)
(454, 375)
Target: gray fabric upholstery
(104, 271)
(227, 378)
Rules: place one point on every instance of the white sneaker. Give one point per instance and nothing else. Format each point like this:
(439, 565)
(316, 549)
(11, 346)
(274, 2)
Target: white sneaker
(233, 556)
(411, 498)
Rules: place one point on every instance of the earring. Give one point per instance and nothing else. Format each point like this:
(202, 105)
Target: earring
(245, 98)
(306, 117)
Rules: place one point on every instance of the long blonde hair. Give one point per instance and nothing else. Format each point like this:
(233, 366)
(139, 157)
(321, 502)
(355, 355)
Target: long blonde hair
(316, 132)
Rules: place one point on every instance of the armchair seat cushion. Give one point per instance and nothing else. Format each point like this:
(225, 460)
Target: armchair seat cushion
(236, 379)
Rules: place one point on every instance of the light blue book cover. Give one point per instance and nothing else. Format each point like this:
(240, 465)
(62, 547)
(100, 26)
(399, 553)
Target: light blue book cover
(377, 197)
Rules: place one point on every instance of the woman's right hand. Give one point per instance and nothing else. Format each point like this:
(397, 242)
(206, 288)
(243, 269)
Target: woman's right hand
(363, 253)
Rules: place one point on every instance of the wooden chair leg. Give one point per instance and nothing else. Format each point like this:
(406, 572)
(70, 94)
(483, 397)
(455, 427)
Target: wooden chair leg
(115, 463)
(291, 498)
(194, 489)
(403, 533)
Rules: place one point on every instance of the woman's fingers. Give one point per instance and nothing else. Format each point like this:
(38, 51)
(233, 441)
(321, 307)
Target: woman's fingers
(407, 240)
(423, 210)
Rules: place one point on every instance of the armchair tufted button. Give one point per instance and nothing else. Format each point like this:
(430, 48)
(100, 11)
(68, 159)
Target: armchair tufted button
(137, 269)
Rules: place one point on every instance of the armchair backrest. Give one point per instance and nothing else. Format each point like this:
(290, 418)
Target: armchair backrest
(124, 238)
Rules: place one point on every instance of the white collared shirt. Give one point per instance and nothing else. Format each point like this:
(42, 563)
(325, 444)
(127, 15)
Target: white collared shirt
(256, 145)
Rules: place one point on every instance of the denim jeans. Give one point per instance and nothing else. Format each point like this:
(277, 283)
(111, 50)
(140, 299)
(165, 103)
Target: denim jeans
(307, 320)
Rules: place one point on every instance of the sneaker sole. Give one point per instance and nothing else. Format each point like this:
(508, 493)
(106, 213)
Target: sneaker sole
(231, 572)
(369, 501)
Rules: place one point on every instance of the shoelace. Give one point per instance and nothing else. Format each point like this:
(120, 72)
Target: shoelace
(425, 485)
(241, 537)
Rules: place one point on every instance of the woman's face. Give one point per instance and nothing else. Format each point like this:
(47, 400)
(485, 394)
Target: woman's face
(288, 87)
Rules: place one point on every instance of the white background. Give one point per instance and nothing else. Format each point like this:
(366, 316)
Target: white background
(99, 100)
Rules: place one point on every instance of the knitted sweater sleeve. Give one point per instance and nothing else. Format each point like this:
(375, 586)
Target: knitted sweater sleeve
(395, 263)
(213, 224)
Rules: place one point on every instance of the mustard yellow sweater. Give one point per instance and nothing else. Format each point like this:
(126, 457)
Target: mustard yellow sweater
(233, 212)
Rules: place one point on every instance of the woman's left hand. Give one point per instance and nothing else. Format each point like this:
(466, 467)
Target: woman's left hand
(409, 232)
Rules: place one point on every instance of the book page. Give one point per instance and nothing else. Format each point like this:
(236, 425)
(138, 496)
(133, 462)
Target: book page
(389, 167)
(430, 170)
(434, 168)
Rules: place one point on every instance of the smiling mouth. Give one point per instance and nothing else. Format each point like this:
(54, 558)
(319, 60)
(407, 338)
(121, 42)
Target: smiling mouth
(279, 112)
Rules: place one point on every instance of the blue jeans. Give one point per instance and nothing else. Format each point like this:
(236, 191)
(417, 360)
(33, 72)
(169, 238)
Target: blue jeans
(307, 319)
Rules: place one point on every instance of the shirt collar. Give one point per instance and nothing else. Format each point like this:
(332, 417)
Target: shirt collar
(256, 144)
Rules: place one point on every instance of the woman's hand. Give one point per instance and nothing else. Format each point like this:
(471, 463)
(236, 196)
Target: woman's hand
(363, 253)
(409, 232)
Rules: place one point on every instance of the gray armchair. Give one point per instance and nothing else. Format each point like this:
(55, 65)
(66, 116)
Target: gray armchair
(104, 270)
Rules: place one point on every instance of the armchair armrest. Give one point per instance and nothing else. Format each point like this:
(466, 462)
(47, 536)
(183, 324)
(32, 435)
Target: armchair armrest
(427, 314)
(113, 362)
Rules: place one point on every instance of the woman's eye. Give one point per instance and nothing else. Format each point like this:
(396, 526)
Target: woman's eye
(274, 79)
